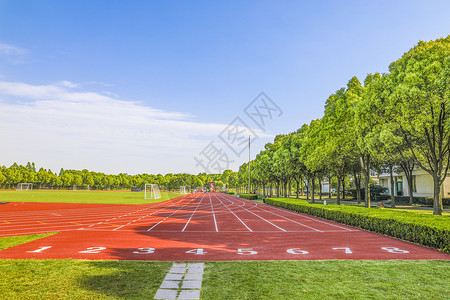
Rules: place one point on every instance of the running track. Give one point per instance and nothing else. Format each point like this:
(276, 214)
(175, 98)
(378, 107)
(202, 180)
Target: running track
(195, 227)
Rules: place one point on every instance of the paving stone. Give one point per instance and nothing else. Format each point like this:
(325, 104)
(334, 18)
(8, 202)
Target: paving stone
(195, 270)
(193, 277)
(179, 265)
(177, 270)
(174, 277)
(189, 294)
(166, 294)
(192, 284)
(197, 265)
(170, 284)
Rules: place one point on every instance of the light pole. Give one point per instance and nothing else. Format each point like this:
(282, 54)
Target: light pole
(249, 165)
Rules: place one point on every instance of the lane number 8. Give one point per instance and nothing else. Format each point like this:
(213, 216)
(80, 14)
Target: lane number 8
(394, 250)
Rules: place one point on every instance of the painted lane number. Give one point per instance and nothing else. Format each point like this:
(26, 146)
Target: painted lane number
(145, 251)
(198, 251)
(296, 251)
(40, 249)
(247, 252)
(93, 250)
(347, 250)
(394, 250)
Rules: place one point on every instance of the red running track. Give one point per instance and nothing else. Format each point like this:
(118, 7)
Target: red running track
(196, 227)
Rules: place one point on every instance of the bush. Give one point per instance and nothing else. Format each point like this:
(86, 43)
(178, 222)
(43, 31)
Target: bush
(428, 230)
(425, 201)
(249, 196)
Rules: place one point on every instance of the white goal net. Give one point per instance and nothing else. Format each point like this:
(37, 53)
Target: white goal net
(24, 187)
(183, 190)
(152, 191)
(83, 187)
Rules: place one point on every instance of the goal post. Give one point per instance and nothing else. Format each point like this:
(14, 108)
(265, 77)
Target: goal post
(24, 187)
(152, 191)
(183, 190)
(81, 187)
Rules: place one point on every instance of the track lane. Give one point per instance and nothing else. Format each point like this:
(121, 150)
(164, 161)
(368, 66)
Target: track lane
(216, 227)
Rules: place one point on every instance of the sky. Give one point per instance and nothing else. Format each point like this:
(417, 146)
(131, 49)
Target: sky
(179, 86)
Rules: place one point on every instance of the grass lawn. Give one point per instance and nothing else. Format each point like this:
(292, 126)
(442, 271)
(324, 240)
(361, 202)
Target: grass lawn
(101, 197)
(44, 279)
(327, 280)
(10, 241)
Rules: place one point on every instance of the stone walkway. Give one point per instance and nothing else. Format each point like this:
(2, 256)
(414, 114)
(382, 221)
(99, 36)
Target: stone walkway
(184, 281)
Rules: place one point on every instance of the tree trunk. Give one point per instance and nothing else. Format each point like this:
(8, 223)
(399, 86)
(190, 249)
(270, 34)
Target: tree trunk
(290, 188)
(365, 164)
(312, 190)
(320, 190)
(338, 196)
(298, 186)
(357, 179)
(343, 188)
(307, 185)
(391, 176)
(410, 189)
(329, 187)
(437, 197)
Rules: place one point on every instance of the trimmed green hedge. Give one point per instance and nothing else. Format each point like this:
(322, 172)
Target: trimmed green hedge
(428, 230)
(249, 196)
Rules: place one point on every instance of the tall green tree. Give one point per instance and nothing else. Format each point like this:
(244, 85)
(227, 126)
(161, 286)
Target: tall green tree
(420, 102)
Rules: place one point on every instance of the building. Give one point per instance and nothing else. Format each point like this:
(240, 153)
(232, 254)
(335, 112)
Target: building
(422, 183)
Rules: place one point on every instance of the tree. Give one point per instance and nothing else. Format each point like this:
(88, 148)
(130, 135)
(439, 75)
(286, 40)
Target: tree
(420, 103)
(340, 144)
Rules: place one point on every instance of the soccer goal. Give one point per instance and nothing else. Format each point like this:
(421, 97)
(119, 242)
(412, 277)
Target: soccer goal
(152, 191)
(82, 187)
(183, 190)
(24, 187)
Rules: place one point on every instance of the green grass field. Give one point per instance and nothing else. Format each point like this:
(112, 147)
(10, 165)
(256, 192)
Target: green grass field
(100, 197)
(76, 279)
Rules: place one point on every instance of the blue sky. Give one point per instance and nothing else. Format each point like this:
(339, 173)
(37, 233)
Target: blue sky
(145, 86)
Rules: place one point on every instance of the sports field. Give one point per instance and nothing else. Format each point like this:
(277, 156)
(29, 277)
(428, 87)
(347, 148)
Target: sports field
(106, 240)
(99, 197)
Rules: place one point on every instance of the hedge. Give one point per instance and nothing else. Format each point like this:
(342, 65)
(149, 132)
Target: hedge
(249, 196)
(428, 230)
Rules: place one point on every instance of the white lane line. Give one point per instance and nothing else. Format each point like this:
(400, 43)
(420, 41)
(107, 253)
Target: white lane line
(214, 216)
(264, 219)
(291, 220)
(307, 217)
(237, 216)
(135, 220)
(169, 215)
(192, 214)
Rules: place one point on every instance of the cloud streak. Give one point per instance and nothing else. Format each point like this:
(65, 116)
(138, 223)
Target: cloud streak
(6, 49)
(58, 125)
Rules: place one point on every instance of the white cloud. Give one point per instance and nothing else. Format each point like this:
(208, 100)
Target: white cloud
(68, 84)
(9, 50)
(58, 127)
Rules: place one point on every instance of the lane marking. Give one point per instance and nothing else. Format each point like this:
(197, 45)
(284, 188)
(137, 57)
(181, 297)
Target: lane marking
(40, 222)
(291, 220)
(170, 215)
(214, 216)
(308, 217)
(76, 223)
(237, 217)
(193, 213)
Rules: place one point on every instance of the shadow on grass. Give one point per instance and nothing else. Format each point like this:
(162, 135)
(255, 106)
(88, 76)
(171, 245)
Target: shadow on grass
(124, 279)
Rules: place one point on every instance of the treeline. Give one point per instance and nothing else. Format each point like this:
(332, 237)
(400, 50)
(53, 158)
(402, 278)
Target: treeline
(395, 120)
(66, 179)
